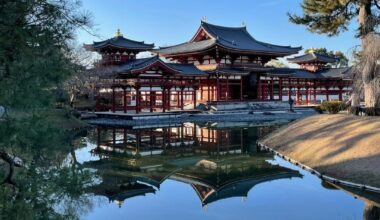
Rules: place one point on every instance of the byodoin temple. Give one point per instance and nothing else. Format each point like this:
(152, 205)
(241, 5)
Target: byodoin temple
(218, 65)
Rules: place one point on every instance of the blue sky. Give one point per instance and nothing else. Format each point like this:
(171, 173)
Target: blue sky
(168, 22)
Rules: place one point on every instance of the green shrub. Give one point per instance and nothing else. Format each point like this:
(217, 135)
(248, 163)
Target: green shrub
(332, 107)
(318, 109)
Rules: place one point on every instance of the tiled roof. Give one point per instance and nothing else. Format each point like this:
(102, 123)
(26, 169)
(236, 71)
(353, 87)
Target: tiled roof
(313, 57)
(188, 47)
(326, 73)
(233, 38)
(183, 69)
(121, 42)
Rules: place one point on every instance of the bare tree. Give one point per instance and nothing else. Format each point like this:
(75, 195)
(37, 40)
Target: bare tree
(88, 75)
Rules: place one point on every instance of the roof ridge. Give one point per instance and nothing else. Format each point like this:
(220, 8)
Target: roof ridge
(188, 42)
(219, 26)
(135, 41)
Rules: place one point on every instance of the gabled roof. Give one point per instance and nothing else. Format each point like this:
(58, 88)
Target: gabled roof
(120, 42)
(140, 65)
(188, 47)
(230, 38)
(325, 73)
(313, 58)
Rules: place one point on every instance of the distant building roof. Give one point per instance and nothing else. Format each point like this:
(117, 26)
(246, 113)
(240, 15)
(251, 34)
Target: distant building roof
(340, 73)
(313, 58)
(120, 42)
(230, 38)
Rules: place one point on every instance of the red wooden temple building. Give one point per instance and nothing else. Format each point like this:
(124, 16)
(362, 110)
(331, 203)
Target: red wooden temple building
(148, 84)
(218, 65)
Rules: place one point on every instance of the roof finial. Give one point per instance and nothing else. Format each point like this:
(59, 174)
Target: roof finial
(204, 19)
(243, 24)
(118, 33)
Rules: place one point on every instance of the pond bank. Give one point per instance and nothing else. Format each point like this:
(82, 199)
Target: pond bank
(341, 146)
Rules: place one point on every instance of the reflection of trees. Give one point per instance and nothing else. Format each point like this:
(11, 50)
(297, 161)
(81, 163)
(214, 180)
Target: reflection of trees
(49, 185)
(370, 199)
(371, 212)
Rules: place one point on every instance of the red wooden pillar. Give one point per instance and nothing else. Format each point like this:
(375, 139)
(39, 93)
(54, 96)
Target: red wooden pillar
(271, 88)
(195, 98)
(212, 93)
(208, 89)
(138, 94)
(227, 89)
(201, 90)
(241, 88)
(290, 93)
(217, 89)
(259, 95)
(152, 99)
(307, 95)
(340, 93)
(178, 98)
(125, 100)
(195, 133)
(163, 99)
(169, 97)
(113, 100)
(298, 95)
(182, 88)
(315, 94)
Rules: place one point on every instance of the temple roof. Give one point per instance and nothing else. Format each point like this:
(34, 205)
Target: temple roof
(182, 69)
(140, 65)
(328, 73)
(242, 187)
(313, 58)
(120, 42)
(230, 38)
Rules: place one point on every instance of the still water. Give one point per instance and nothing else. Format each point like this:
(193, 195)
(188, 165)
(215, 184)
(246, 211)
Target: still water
(208, 171)
(177, 171)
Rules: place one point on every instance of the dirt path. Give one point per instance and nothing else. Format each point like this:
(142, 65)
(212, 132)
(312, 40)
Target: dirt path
(341, 146)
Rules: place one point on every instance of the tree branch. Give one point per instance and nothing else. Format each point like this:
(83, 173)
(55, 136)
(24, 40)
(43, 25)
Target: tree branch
(376, 3)
(13, 162)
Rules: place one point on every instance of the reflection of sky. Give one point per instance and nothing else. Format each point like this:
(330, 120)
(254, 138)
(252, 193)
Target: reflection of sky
(280, 199)
(84, 154)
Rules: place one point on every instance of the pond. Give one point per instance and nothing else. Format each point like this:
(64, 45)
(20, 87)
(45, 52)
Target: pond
(210, 171)
(182, 171)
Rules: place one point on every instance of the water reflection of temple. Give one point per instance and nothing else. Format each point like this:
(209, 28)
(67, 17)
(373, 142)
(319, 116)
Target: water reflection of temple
(217, 160)
(187, 137)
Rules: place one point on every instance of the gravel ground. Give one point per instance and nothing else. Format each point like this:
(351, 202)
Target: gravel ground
(342, 146)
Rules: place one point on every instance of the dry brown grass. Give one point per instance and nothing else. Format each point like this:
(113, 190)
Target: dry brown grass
(342, 146)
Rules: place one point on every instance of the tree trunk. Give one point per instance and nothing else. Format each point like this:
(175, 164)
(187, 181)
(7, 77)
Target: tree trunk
(370, 55)
(372, 97)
